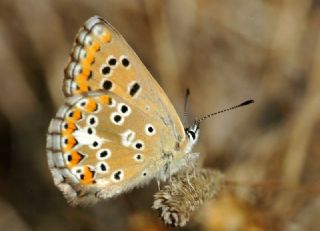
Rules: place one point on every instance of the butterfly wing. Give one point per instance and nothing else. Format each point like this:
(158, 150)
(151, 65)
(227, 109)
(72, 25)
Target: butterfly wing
(102, 59)
(136, 126)
(99, 145)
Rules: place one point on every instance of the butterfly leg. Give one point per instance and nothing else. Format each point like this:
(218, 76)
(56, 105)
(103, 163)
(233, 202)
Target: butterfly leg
(166, 172)
(158, 184)
(191, 159)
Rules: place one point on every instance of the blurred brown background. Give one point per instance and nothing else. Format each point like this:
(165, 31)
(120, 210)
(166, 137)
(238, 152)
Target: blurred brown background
(225, 52)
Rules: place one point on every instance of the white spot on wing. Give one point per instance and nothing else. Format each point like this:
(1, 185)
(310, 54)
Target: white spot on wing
(127, 137)
(84, 138)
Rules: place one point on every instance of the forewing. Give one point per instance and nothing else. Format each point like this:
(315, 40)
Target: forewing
(102, 59)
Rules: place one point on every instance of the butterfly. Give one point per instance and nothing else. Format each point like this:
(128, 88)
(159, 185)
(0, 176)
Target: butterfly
(117, 128)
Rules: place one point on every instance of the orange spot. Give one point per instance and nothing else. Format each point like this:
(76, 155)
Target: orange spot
(91, 106)
(89, 59)
(87, 175)
(94, 47)
(70, 142)
(86, 71)
(106, 38)
(76, 157)
(81, 78)
(76, 115)
(71, 127)
(85, 63)
(104, 99)
(91, 51)
(83, 86)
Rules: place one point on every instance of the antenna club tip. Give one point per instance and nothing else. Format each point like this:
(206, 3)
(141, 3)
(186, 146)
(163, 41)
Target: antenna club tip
(247, 102)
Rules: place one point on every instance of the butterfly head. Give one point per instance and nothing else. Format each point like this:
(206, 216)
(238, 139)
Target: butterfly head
(192, 132)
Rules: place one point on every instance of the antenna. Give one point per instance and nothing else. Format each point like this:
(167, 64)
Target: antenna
(247, 102)
(185, 108)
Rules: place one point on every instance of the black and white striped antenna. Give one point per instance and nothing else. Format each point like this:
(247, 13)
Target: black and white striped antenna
(247, 102)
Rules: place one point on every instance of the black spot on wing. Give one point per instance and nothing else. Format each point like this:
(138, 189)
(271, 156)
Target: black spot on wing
(134, 89)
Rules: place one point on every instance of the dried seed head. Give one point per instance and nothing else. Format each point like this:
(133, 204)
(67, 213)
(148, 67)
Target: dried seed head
(185, 193)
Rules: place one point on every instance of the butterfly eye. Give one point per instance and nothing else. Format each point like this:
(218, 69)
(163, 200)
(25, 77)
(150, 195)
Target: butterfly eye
(117, 176)
(149, 130)
(116, 118)
(144, 173)
(92, 120)
(139, 145)
(124, 109)
(138, 157)
(102, 167)
(103, 154)
(125, 61)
